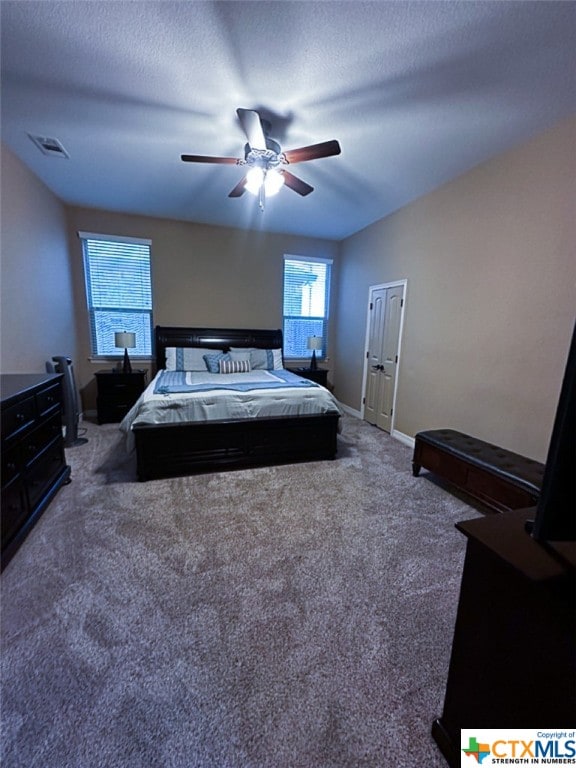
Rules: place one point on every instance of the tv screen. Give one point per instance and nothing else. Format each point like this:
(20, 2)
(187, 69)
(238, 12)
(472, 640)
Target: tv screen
(556, 510)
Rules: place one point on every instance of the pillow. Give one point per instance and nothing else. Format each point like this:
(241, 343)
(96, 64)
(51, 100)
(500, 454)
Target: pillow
(235, 366)
(187, 358)
(262, 359)
(244, 355)
(213, 361)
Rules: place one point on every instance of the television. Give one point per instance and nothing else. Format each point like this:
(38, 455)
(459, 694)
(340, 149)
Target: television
(555, 518)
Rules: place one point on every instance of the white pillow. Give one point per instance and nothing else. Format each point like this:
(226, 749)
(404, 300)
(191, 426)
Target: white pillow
(261, 359)
(240, 357)
(187, 358)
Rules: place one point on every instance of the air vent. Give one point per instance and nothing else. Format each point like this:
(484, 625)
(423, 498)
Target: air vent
(50, 147)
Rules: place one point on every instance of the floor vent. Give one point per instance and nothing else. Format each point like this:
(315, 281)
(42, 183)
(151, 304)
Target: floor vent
(50, 147)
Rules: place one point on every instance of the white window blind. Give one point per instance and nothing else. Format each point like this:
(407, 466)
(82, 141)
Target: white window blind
(118, 292)
(306, 301)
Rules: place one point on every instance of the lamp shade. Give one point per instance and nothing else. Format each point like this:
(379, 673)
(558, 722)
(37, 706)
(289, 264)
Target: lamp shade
(314, 342)
(125, 339)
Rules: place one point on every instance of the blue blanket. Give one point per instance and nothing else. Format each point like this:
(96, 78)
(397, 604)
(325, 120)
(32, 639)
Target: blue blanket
(174, 382)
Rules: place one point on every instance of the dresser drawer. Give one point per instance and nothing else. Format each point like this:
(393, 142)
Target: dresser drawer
(11, 461)
(112, 412)
(48, 399)
(117, 393)
(17, 418)
(33, 459)
(34, 443)
(117, 383)
(14, 510)
(40, 476)
(319, 375)
(122, 393)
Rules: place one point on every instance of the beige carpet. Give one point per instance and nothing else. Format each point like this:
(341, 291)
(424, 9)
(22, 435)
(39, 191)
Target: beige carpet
(289, 617)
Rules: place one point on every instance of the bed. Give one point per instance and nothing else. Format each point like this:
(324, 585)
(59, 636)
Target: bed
(172, 436)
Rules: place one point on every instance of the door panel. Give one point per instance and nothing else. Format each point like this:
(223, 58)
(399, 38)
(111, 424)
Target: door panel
(383, 344)
(373, 381)
(390, 342)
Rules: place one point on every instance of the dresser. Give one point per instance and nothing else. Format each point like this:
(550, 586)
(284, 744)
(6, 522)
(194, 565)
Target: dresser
(319, 375)
(33, 460)
(117, 393)
(513, 661)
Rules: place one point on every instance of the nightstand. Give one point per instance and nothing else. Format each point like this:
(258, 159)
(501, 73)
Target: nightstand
(117, 393)
(319, 375)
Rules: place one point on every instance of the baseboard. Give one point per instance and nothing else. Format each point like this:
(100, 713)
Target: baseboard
(406, 439)
(350, 411)
(88, 415)
(400, 436)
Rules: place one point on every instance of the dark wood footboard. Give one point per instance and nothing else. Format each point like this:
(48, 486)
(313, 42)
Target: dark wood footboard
(172, 450)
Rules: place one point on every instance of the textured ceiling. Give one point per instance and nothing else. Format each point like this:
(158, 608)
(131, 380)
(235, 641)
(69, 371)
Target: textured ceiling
(416, 93)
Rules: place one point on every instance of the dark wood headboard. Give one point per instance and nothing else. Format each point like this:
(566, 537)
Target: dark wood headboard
(213, 338)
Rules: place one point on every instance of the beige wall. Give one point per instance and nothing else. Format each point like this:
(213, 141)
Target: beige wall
(491, 296)
(202, 275)
(491, 274)
(37, 313)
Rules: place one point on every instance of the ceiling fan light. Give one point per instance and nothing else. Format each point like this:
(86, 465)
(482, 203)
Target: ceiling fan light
(273, 182)
(254, 179)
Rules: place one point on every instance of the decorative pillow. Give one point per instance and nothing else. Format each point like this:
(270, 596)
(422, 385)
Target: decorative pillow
(244, 355)
(235, 366)
(262, 359)
(187, 358)
(213, 361)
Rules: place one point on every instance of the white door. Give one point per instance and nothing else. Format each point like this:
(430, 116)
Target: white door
(384, 324)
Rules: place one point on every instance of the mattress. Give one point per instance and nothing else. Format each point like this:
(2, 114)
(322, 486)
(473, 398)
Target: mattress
(290, 399)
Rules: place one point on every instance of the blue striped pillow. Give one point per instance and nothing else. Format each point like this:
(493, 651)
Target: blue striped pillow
(235, 366)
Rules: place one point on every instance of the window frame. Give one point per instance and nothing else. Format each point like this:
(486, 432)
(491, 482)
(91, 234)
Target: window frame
(324, 319)
(91, 309)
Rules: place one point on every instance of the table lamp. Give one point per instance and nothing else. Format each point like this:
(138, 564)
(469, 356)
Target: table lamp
(314, 343)
(128, 341)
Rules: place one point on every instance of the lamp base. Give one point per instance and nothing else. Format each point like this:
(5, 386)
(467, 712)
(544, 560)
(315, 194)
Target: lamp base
(313, 363)
(127, 367)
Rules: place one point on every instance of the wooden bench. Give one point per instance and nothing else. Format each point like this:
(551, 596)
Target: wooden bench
(498, 478)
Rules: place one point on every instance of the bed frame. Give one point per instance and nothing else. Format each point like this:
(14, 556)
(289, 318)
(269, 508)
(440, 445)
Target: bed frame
(169, 450)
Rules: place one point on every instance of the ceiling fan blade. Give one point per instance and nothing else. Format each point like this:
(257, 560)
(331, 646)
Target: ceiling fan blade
(239, 189)
(208, 159)
(325, 149)
(296, 184)
(252, 127)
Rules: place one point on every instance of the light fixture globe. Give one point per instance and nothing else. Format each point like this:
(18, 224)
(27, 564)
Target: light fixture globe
(254, 179)
(258, 177)
(273, 181)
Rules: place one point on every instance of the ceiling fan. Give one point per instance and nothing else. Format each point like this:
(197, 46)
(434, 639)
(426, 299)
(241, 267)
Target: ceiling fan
(264, 158)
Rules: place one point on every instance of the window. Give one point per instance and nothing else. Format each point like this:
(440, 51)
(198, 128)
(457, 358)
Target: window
(118, 292)
(306, 299)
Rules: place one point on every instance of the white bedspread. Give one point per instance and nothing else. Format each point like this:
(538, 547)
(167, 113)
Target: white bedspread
(226, 404)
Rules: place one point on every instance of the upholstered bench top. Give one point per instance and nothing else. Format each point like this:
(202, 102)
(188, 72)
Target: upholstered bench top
(518, 470)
